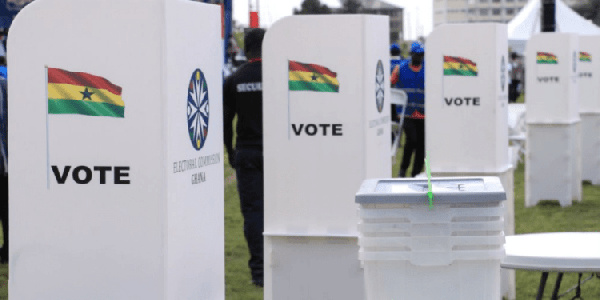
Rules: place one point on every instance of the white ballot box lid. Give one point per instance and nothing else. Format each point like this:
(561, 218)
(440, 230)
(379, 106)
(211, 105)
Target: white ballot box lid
(445, 190)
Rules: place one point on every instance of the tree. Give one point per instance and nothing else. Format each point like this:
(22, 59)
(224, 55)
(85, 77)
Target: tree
(312, 7)
(590, 10)
(351, 7)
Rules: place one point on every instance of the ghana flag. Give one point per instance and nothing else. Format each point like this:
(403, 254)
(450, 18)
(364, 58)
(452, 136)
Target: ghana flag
(546, 58)
(311, 77)
(83, 94)
(584, 56)
(459, 66)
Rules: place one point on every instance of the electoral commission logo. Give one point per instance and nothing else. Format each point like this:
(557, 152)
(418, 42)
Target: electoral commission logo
(379, 88)
(197, 109)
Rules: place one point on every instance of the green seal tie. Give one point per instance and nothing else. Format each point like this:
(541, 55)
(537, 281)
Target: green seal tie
(428, 170)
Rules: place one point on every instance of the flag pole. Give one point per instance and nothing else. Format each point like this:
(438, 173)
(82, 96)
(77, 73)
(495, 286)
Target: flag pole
(288, 88)
(47, 138)
(443, 77)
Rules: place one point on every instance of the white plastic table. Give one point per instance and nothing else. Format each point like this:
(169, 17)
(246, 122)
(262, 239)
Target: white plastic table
(560, 252)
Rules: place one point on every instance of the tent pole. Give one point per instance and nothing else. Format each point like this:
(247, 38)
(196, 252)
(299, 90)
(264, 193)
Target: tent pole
(548, 16)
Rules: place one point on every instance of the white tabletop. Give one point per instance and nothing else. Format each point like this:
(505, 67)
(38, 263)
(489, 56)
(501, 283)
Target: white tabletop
(557, 251)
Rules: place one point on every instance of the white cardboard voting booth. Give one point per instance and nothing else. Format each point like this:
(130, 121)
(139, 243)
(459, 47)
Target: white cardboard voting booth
(589, 106)
(553, 155)
(466, 108)
(318, 147)
(466, 92)
(116, 207)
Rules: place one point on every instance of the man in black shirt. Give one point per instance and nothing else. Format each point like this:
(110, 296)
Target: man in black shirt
(242, 96)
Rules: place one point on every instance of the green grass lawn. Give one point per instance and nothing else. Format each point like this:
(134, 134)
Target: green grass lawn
(545, 217)
(3, 282)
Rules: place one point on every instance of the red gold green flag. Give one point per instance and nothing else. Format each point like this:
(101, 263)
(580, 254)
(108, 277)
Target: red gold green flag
(459, 66)
(311, 77)
(584, 56)
(546, 58)
(83, 94)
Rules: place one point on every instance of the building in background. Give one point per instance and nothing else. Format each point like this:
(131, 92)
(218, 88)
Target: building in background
(378, 7)
(395, 13)
(574, 2)
(473, 11)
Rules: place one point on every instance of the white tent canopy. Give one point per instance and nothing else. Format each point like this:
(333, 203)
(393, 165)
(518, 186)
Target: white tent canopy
(527, 23)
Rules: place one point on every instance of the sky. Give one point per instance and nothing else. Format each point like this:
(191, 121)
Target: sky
(418, 14)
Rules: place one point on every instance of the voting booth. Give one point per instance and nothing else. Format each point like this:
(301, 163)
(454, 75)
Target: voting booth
(116, 150)
(450, 248)
(589, 106)
(466, 109)
(326, 125)
(553, 154)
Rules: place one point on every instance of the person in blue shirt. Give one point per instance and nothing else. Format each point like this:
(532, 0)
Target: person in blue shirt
(395, 56)
(410, 76)
(395, 60)
(3, 71)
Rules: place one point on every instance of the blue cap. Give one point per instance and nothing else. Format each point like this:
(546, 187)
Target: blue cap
(416, 48)
(394, 47)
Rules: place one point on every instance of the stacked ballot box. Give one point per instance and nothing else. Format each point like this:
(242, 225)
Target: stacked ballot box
(449, 249)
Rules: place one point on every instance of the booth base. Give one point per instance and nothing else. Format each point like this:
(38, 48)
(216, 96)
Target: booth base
(462, 280)
(553, 163)
(508, 279)
(312, 267)
(590, 147)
